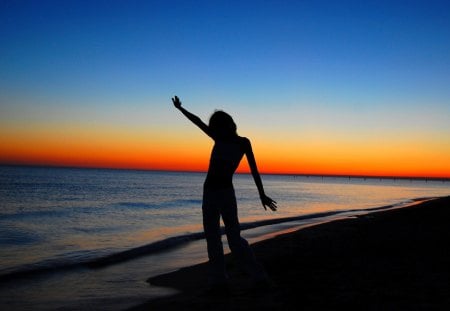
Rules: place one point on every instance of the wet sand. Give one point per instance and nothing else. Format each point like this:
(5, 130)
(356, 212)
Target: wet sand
(390, 260)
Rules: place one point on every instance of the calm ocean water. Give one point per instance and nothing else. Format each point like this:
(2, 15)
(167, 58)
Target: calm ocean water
(61, 217)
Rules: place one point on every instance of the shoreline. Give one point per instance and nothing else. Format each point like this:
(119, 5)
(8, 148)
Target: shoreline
(267, 227)
(389, 259)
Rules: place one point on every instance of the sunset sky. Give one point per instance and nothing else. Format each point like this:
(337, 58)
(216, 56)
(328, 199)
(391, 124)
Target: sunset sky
(320, 87)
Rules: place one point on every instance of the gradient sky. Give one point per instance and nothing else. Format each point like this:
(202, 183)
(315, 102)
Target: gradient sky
(324, 87)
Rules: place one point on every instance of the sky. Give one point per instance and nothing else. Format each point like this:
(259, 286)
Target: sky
(319, 87)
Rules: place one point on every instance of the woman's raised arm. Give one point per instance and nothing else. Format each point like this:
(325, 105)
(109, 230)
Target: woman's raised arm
(194, 119)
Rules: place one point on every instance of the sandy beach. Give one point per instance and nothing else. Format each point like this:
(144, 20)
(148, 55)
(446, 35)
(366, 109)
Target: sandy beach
(390, 260)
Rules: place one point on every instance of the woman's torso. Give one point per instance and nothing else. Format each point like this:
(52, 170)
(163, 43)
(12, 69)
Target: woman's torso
(225, 158)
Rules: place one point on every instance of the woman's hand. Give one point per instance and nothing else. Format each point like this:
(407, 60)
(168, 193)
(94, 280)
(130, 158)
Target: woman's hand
(266, 201)
(176, 102)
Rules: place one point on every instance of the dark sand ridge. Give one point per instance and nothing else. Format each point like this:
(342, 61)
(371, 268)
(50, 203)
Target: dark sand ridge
(390, 260)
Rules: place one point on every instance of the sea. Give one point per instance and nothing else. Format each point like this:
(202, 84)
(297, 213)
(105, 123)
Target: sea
(73, 238)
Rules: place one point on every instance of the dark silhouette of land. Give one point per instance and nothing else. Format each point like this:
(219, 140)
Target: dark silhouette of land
(390, 260)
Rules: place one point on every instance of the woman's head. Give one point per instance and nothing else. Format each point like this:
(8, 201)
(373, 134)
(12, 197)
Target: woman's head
(222, 125)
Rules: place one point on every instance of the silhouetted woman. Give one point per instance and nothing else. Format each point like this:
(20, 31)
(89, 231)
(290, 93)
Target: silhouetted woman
(219, 198)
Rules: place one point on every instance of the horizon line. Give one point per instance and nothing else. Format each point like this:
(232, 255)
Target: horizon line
(294, 174)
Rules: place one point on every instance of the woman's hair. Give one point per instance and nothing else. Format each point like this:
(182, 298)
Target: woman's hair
(221, 125)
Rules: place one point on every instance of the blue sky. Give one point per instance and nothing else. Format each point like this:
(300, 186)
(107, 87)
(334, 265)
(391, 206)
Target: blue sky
(233, 47)
(294, 64)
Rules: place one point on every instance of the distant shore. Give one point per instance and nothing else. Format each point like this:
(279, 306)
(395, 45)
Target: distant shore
(293, 174)
(390, 260)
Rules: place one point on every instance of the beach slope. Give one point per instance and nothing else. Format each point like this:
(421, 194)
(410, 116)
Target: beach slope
(390, 260)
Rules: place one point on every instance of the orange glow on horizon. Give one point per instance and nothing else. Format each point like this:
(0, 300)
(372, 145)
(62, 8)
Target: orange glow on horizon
(199, 163)
(137, 149)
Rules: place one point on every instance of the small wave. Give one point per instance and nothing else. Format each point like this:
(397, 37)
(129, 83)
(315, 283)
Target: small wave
(57, 264)
(14, 237)
(399, 204)
(145, 250)
(164, 204)
(135, 205)
(86, 261)
(32, 214)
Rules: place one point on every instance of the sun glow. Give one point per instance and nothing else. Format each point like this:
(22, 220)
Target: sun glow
(108, 147)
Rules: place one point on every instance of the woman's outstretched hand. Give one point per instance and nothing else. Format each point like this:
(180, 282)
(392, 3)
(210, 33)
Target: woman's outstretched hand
(266, 201)
(176, 102)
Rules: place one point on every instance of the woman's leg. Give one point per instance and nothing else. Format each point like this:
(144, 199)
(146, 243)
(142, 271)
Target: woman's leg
(213, 235)
(238, 245)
